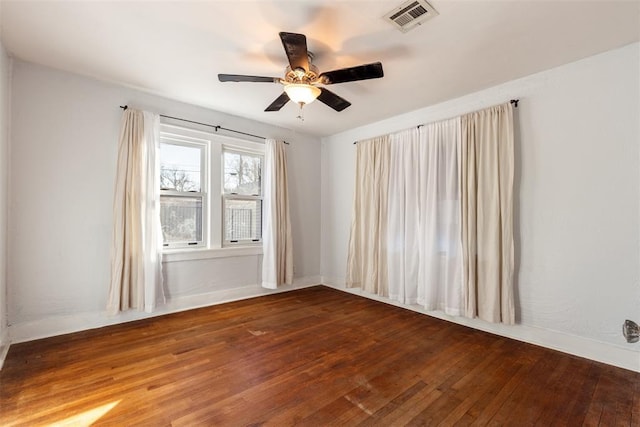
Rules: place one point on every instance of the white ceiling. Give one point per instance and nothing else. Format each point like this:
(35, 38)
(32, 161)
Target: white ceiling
(176, 49)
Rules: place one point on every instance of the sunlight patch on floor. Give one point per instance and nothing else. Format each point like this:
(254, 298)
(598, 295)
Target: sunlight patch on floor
(86, 418)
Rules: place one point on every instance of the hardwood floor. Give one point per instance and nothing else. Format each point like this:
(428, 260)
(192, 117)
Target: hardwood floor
(313, 357)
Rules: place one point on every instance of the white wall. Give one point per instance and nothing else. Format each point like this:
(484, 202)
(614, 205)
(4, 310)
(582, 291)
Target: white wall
(5, 97)
(65, 131)
(577, 227)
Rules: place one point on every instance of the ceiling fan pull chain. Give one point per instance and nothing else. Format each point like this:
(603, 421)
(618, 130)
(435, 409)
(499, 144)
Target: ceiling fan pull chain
(301, 115)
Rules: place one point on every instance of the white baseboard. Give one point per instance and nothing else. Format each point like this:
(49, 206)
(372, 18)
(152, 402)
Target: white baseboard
(60, 325)
(4, 345)
(560, 341)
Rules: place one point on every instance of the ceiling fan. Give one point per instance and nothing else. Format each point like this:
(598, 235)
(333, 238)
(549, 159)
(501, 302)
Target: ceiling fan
(302, 79)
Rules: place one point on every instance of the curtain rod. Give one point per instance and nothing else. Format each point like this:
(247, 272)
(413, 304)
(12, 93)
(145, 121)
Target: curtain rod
(216, 127)
(512, 101)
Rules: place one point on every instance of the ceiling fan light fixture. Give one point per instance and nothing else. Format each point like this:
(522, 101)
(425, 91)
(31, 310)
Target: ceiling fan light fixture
(301, 93)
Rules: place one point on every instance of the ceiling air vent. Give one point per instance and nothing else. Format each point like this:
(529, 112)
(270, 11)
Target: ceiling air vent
(410, 14)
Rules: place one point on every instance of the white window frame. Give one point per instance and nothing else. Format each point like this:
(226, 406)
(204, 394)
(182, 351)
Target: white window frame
(242, 150)
(212, 185)
(183, 140)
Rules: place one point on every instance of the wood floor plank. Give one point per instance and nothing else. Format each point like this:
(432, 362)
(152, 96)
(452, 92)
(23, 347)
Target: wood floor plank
(471, 390)
(312, 357)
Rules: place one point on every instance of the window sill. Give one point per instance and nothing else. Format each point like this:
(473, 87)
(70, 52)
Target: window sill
(196, 254)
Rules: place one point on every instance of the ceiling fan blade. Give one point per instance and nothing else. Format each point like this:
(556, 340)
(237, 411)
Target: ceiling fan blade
(278, 103)
(295, 46)
(361, 72)
(332, 100)
(241, 78)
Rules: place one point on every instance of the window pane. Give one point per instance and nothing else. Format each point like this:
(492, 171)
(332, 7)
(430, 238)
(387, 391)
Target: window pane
(181, 219)
(242, 219)
(231, 172)
(180, 167)
(242, 174)
(251, 177)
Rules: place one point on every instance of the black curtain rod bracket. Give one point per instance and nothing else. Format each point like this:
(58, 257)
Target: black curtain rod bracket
(215, 127)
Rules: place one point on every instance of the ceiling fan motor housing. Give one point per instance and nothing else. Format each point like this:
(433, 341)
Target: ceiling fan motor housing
(299, 75)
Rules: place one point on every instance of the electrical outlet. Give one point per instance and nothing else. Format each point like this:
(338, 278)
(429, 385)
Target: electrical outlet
(631, 331)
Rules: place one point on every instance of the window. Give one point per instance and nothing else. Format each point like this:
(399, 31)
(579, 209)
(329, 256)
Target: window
(211, 190)
(242, 197)
(183, 197)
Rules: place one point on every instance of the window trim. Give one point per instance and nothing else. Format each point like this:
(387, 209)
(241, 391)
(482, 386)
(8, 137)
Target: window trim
(177, 255)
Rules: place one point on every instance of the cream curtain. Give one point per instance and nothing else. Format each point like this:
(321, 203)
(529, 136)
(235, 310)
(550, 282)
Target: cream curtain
(136, 254)
(366, 263)
(432, 216)
(277, 259)
(403, 238)
(486, 185)
(440, 265)
(423, 239)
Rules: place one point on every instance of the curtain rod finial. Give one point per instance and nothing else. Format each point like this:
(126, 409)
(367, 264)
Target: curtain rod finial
(515, 102)
(124, 107)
